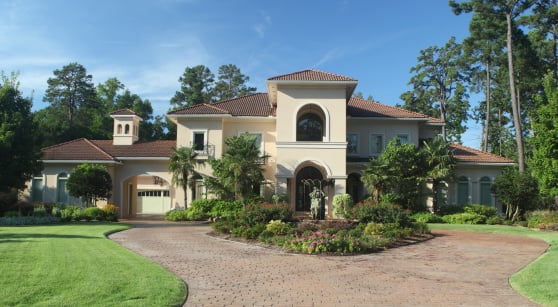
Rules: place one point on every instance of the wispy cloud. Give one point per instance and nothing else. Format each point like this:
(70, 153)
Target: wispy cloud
(327, 57)
(261, 27)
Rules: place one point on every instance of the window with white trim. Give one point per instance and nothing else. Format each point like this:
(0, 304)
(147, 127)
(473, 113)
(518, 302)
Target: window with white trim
(199, 140)
(402, 138)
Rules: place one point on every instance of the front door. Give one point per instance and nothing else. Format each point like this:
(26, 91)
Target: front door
(303, 190)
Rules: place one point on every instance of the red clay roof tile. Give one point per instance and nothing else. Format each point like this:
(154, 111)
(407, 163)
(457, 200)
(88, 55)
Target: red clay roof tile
(470, 155)
(311, 75)
(358, 107)
(104, 150)
(251, 105)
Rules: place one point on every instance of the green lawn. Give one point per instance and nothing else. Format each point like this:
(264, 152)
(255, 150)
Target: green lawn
(539, 280)
(76, 265)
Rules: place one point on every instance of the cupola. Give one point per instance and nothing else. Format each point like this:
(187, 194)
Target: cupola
(126, 127)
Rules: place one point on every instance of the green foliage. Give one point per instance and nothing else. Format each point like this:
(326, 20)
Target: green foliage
(518, 191)
(226, 209)
(176, 215)
(182, 164)
(439, 87)
(426, 217)
(264, 213)
(239, 170)
(19, 155)
(486, 211)
(464, 218)
(544, 161)
(90, 181)
(494, 220)
(450, 209)
(94, 213)
(249, 231)
(542, 219)
(28, 220)
(72, 213)
(111, 212)
(342, 203)
(278, 227)
(367, 212)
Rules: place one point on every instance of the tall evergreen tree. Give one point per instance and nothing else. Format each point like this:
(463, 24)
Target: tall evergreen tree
(19, 155)
(196, 85)
(439, 88)
(231, 83)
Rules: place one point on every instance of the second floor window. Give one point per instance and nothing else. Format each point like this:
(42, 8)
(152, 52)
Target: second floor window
(199, 141)
(376, 144)
(310, 127)
(352, 144)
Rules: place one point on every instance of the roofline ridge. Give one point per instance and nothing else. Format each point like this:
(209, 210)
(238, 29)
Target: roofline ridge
(123, 109)
(63, 143)
(311, 70)
(92, 143)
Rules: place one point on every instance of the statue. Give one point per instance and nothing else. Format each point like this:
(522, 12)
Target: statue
(316, 197)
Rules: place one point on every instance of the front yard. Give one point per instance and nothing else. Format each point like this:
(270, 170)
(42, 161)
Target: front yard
(76, 265)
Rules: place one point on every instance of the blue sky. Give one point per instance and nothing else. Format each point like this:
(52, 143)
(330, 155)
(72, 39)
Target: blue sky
(148, 44)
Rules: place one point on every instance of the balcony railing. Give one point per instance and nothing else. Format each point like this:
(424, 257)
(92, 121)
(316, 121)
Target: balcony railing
(204, 152)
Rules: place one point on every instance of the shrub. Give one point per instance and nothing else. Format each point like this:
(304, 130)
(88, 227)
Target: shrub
(426, 217)
(176, 215)
(342, 204)
(249, 231)
(464, 218)
(71, 213)
(277, 227)
(264, 213)
(421, 228)
(111, 212)
(11, 214)
(494, 220)
(225, 208)
(450, 209)
(487, 211)
(380, 213)
(541, 218)
(29, 220)
(221, 226)
(94, 213)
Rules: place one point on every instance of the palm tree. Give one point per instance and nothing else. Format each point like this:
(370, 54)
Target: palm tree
(182, 164)
(440, 164)
(376, 176)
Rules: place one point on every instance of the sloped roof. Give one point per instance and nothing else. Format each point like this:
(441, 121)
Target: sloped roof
(358, 107)
(251, 105)
(123, 112)
(103, 150)
(469, 155)
(311, 75)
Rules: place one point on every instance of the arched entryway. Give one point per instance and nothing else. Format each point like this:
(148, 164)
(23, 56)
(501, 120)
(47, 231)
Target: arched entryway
(307, 178)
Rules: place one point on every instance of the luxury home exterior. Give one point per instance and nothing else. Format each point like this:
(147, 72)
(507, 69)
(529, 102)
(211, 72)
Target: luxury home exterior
(309, 126)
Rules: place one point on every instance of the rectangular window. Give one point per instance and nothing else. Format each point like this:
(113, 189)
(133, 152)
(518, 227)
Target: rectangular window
(403, 138)
(259, 140)
(199, 140)
(352, 144)
(376, 144)
(37, 189)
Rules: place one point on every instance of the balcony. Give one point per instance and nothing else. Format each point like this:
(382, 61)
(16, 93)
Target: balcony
(205, 152)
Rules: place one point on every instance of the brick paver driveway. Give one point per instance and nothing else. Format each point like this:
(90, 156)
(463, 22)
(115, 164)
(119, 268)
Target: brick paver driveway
(454, 268)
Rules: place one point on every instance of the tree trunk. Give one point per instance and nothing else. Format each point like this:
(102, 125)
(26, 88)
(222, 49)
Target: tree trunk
(514, 103)
(487, 122)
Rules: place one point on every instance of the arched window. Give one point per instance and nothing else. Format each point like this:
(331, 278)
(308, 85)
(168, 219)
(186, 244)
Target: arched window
(119, 129)
(127, 129)
(310, 127)
(485, 191)
(62, 195)
(463, 191)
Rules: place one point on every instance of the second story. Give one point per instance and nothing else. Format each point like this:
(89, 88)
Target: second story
(306, 109)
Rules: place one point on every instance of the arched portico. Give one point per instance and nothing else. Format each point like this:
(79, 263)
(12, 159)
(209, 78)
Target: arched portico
(146, 193)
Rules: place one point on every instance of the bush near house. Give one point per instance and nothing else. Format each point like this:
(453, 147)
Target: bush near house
(274, 224)
(543, 219)
(203, 209)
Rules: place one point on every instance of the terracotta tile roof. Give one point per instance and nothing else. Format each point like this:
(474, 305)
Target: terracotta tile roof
(311, 75)
(123, 112)
(358, 107)
(104, 150)
(147, 149)
(470, 155)
(252, 105)
(78, 149)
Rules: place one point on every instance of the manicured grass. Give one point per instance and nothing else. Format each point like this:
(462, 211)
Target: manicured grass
(76, 265)
(538, 280)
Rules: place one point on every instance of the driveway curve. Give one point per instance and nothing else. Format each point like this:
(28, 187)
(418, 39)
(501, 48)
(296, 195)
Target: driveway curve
(454, 268)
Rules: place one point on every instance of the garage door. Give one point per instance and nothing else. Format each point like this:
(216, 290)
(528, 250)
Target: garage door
(153, 201)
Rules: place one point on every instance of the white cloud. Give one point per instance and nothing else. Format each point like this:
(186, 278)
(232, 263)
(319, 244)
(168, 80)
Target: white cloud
(261, 27)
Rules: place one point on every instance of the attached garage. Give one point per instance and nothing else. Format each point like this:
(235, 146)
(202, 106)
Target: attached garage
(153, 201)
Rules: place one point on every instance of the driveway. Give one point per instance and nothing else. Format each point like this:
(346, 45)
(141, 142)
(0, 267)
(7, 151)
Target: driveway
(454, 268)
